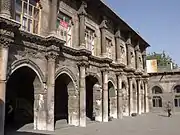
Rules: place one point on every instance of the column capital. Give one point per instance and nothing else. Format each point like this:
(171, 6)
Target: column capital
(51, 52)
(82, 9)
(105, 69)
(5, 42)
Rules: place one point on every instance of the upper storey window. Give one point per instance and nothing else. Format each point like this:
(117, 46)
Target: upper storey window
(64, 28)
(27, 13)
(90, 39)
(109, 48)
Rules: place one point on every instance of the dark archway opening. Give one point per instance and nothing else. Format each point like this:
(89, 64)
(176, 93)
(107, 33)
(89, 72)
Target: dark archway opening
(19, 99)
(90, 82)
(62, 85)
(111, 94)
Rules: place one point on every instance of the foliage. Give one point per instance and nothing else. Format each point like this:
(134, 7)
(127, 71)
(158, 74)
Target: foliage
(163, 59)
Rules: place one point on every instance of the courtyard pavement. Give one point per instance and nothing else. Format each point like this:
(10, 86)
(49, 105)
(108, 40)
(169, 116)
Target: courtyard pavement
(147, 124)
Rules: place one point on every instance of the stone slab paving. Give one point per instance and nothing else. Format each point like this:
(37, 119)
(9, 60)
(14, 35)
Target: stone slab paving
(149, 124)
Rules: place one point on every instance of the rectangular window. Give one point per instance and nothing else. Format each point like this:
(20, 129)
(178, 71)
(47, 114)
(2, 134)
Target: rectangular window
(89, 39)
(109, 48)
(64, 28)
(27, 13)
(177, 102)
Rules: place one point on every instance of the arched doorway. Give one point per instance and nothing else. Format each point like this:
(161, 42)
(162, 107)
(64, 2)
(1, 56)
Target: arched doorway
(112, 101)
(90, 97)
(65, 101)
(20, 98)
(157, 99)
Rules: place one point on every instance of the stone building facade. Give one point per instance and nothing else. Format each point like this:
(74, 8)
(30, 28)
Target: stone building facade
(164, 87)
(64, 59)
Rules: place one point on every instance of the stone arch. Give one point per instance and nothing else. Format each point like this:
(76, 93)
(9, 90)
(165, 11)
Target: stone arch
(95, 76)
(160, 90)
(112, 100)
(67, 71)
(27, 76)
(93, 97)
(112, 80)
(173, 88)
(66, 97)
(28, 63)
(157, 85)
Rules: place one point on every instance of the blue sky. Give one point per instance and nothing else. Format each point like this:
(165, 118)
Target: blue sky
(157, 21)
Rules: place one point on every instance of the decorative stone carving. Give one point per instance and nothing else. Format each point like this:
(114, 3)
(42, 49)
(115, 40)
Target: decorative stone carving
(82, 9)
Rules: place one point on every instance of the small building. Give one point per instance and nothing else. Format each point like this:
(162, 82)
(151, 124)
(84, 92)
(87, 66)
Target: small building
(164, 87)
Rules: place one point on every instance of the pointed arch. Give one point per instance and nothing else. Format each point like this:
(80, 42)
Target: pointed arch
(28, 63)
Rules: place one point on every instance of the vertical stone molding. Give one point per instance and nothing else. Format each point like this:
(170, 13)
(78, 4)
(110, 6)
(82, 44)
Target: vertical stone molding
(139, 96)
(97, 99)
(5, 8)
(82, 14)
(103, 27)
(53, 17)
(82, 94)
(105, 95)
(131, 104)
(144, 61)
(51, 57)
(4, 50)
(119, 97)
(118, 48)
(146, 96)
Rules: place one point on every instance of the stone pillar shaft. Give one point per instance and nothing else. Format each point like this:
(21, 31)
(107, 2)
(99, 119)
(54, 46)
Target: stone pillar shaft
(3, 71)
(119, 98)
(53, 16)
(131, 104)
(118, 49)
(139, 96)
(50, 93)
(103, 42)
(82, 93)
(5, 8)
(105, 96)
(82, 30)
(146, 97)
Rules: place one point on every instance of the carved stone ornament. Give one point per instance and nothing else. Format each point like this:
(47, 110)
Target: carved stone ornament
(103, 23)
(137, 47)
(82, 9)
(118, 34)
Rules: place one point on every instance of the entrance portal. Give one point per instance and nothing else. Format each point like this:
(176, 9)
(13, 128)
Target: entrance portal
(20, 98)
(90, 100)
(112, 102)
(66, 101)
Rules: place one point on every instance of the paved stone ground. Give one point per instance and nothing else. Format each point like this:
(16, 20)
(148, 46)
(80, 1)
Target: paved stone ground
(149, 124)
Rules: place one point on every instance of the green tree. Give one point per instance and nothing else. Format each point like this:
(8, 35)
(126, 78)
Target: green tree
(163, 59)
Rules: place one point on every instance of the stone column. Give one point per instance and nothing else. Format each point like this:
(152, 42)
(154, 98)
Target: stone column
(82, 14)
(144, 61)
(53, 17)
(5, 8)
(82, 94)
(103, 28)
(146, 96)
(3, 72)
(139, 96)
(119, 97)
(51, 57)
(105, 95)
(131, 103)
